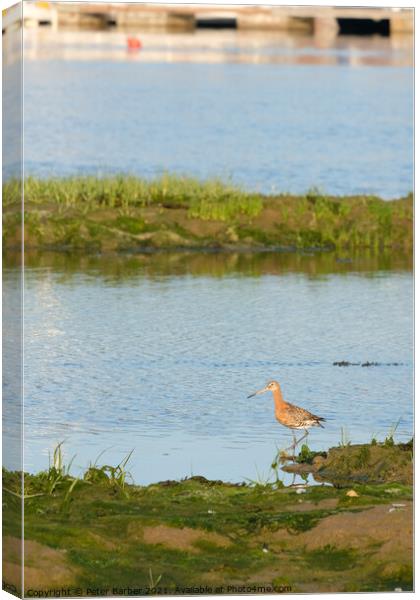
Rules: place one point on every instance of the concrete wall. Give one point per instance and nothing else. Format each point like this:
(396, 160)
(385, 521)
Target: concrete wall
(307, 19)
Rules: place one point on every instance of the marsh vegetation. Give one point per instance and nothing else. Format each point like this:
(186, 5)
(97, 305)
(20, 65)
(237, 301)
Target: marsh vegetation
(99, 530)
(123, 213)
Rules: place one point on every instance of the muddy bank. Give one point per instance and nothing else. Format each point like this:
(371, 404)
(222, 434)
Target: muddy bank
(125, 214)
(372, 463)
(99, 532)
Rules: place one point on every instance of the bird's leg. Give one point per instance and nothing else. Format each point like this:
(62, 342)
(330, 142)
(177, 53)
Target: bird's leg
(303, 437)
(293, 445)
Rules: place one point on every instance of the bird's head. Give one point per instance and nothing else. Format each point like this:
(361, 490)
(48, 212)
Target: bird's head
(270, 387)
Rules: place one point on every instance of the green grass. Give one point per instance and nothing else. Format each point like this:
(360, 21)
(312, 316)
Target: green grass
(120, 213)
(330, 558)
(114, 476)
(211, 199)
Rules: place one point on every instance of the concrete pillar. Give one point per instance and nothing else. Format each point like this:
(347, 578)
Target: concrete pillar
(402, 24)
(325, 31)
(274, 22)
(262, 21)
(155, 19)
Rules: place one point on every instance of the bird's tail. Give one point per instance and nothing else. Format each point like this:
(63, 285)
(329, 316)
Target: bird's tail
(319, 422)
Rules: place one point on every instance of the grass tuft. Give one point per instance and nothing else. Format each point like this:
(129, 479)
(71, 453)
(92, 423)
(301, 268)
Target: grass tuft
(389, 440)
(117, 476)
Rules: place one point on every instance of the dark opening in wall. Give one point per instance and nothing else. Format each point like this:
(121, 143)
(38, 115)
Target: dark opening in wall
(44, 23)
(216, 23)
(364, 27)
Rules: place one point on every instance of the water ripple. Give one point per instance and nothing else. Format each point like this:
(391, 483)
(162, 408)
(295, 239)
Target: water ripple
(155, 367)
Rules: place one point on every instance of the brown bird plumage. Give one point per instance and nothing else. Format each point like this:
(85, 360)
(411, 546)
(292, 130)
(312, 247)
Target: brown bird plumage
(289, 415)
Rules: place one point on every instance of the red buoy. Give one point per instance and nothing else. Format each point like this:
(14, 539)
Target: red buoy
(134, 43)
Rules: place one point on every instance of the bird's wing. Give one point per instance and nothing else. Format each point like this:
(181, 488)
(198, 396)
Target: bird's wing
(302, 414)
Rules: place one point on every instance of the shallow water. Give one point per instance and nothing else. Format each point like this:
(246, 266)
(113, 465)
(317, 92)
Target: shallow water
(271, 112)
(158, 353)
(122, 354)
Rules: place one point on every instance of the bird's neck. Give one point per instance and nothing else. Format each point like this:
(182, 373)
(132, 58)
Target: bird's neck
(279, 401)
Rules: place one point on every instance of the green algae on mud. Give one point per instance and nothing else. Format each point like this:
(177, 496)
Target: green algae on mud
(359, 463)
(101, 532)
(128, 214)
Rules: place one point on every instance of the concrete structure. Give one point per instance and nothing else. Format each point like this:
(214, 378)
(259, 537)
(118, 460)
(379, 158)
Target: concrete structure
(308, 19)
(37, 14)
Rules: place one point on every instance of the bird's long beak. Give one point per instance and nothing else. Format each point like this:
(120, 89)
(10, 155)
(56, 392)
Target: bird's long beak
(258, 392)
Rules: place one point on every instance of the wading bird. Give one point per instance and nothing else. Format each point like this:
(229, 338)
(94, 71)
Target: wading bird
(289, 415)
